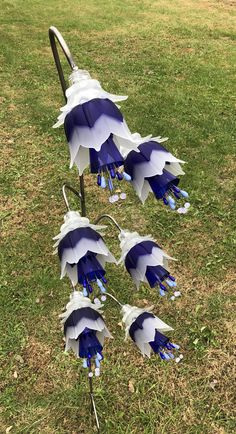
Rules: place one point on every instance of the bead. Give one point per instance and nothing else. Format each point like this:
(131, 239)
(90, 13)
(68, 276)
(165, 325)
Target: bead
(172, 297)
(119, 176)
(123, 196)
(187, 205)
(85, 292)
(90, 374)
(96, 301)
(97, 372)
(183, 193)
(90, 288)
(115, 197)
(99, 356)
(103, 298)
(103, 182)
(165, 201)
(177, 293)
(99, 180)
(110, 185)
(127, 177)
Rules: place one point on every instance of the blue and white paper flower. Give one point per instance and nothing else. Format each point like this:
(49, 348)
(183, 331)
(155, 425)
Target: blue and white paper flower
(85, 330)
(82, 252)
(154, 169)
(96, 130)
(146, 262)
(146, 330)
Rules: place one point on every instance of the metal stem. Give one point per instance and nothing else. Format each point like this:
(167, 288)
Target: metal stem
(53, 35)
(115, 299)
(77, 193)
(110, 218)
(93, 405)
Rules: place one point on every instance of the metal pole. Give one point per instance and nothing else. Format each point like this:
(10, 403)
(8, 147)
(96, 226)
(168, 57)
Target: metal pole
(53, 35)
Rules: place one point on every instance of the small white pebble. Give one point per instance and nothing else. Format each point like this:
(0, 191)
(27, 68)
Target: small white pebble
(177, 293)
(90, 374)
(172, 297)
(177, 359)
(115, 198)
(180, 210)
(181, 356)
(111, 199)
(103, 298)
(123, 196)
(187, 205)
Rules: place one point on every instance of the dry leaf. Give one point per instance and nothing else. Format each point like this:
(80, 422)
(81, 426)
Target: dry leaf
(131, 386)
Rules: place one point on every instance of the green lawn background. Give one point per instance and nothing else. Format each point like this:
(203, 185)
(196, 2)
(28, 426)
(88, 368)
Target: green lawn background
(175, 60)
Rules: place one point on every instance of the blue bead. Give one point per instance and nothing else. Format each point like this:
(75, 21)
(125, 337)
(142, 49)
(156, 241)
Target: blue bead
(119, 176)
(99, 357)
(97, 363)
(162, 287)
(99, 283)
(171, 200)
(162, 355)
(126, 176)
(103, 182)
(171, 356)
(104, 279)
(102, 288)
(170, 283)
(162, 293)
(99, 180)
(110, 185)
(172, 278)
(183, 193)
(167, 357)
(90, 288)
(165, 201)
(172, 205)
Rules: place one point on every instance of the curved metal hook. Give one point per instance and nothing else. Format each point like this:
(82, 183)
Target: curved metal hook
(110, 218)
(54, 35)
(77, 193)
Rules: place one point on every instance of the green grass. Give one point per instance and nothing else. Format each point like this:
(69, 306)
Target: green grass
(175, 61)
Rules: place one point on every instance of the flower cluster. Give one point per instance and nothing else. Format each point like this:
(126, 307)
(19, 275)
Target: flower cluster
(99, 137)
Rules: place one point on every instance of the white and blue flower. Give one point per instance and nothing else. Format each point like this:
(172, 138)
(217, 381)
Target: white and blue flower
(82, 252)
(154, 169)
(146, 330)
(146, 262)
(96, 130)
(85, 330)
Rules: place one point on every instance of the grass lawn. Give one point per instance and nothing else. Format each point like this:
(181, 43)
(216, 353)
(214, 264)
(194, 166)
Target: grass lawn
(175, 60)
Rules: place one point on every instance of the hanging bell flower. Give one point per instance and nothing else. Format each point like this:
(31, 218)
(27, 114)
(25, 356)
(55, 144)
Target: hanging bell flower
(154, 169)
(85, 330)
(82, 252)
(146, 262)
(146, 330)
(96, 130)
